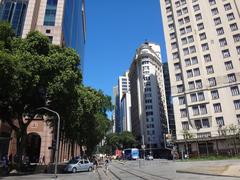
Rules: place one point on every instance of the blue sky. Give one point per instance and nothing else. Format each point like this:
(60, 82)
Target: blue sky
(115, 29)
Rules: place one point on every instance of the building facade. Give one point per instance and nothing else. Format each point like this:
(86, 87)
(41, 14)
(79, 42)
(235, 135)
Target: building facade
(64, 23)
(203, 48)
(124, 102)
(149, 108)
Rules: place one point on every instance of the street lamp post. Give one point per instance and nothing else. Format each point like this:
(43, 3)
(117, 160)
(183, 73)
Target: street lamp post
(57, 143)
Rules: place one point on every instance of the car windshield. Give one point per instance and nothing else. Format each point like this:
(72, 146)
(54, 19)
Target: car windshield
(73, 161)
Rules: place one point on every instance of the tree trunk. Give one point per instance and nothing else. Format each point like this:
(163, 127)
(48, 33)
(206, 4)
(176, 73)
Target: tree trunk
(72, 148)
(21, 146)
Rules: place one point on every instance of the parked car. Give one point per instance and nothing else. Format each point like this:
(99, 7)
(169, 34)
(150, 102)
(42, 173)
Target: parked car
(75, 165)
(149, 157)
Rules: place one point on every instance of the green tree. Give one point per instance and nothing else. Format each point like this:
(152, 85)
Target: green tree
(32, 72)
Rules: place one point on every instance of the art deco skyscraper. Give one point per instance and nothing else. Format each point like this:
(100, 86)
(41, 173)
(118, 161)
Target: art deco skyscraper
(149, 108)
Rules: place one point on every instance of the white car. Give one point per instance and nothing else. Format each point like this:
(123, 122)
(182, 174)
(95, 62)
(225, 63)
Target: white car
(76, 165)
(149, 157)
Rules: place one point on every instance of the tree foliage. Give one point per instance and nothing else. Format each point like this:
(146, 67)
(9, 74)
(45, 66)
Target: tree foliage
(35, 73)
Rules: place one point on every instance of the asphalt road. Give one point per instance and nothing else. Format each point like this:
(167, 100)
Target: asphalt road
(138, 170)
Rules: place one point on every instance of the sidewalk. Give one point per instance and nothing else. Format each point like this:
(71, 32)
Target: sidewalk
(223, 170)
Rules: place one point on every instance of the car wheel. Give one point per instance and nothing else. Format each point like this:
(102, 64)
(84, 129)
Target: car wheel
(74, 170)
(90, 169)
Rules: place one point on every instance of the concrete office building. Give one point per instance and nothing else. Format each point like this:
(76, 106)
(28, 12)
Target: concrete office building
(149, 108)
(122, 104)
(125, 102)
(203, 49)
(63, 21)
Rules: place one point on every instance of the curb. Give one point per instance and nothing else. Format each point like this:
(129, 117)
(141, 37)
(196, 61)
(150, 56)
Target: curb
(208, 174)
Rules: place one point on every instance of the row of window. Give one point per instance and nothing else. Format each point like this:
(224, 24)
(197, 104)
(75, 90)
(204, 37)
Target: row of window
(202, 109)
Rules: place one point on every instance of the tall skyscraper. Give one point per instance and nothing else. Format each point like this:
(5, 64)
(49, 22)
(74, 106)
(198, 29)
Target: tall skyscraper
(122, 103)
(62, 21)
(149, 108)
(203, 49)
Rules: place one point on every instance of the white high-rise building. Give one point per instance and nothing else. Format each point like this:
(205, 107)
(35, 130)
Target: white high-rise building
(203, 48)
(124, 102)
(149, 108)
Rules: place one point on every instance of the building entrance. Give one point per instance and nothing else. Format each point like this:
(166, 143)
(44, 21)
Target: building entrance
(33, 147)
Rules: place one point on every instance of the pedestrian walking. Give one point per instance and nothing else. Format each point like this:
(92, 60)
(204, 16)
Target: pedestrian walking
(106, 165)
(5, 165)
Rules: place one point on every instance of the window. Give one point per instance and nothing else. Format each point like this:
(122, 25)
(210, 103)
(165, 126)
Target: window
(238, 49)
(190, 39)
(201, 96)
(220, 31)
(191, 85)
(226, 53)
(196, 72)
(194, 60)
(182, 31)
(220, 121)
(185, 10)
(172, 36)
(217, 107)
(205, 47)
(200, 26)
(174, 45)
(187, 62)
(175, 55)
(212, 81)
(50, 13)
(177, 66)
(205, 123)
(235, 90)
(185, 51)
(202, 36)
(195, 110)
(183, 113)
(193, 97)
(209, 69)
(231, 78)
(198, 124)
(215, 94)
(192, 49)
(180, 88)
(181, 100)
(188, 29)
(236, 38)
(171, 26)
(198, 84)
(207, 58)
(228, 65)
(234, 27)
(196, 7)
(185, 125)
(184, 41)
(217, 21)
(212, 2)
(189, 73)
(180, 22)
(214, 11)
(238, 118)
(169, 18)
(178, 77)
(179, 12)
(187, 19)
(177, 4)
(223, 42)
(203, 109)
(230, 16)
(237, 104)
(168, 9)
(227, 7)
(198, 17)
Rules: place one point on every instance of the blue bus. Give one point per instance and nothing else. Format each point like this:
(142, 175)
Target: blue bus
(131, 154)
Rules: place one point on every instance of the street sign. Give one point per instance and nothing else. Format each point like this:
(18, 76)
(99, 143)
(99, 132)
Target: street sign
(143, 146)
